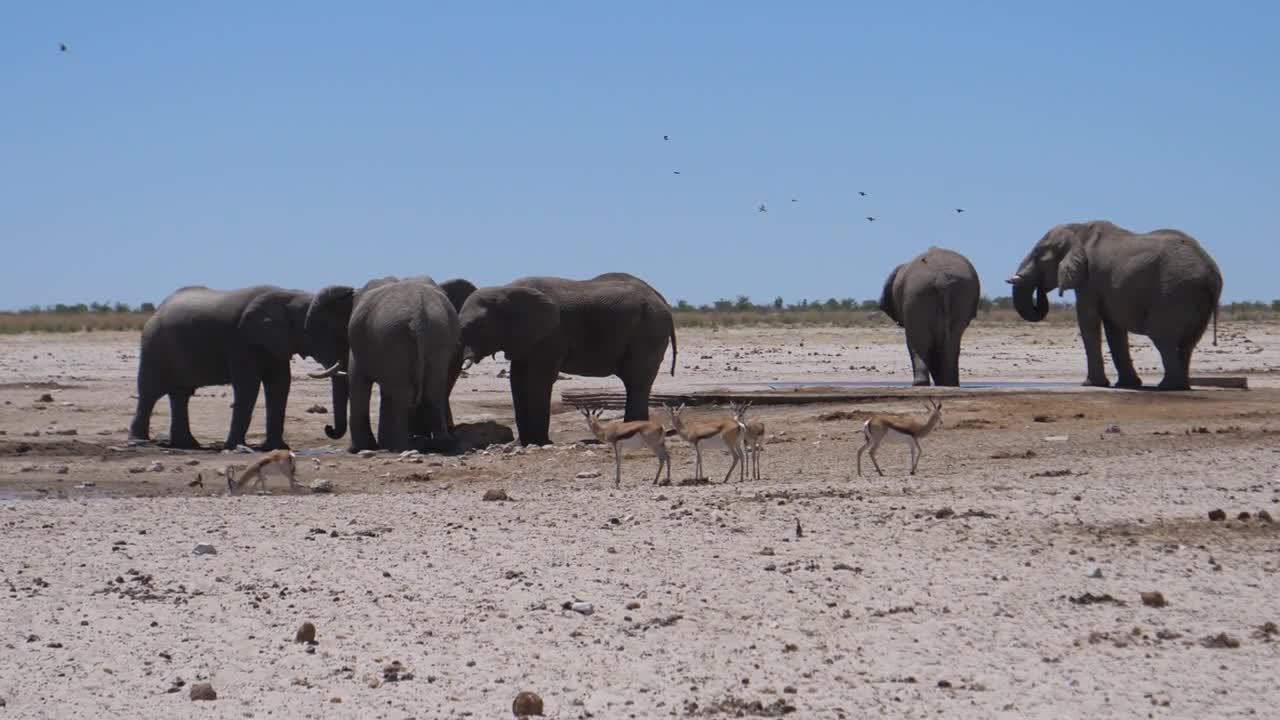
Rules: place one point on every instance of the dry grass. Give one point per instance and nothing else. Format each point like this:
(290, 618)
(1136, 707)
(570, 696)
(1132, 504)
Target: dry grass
(12, 323)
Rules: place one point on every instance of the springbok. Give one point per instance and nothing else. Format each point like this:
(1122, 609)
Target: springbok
(878, 428)
(621, 434)
(726, 433)
(283, 462)
(752, 435)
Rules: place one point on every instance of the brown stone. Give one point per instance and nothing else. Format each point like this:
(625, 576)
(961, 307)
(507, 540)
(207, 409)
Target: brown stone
(306, 633)
(1153, 599)
(527, 704)
(203, 691)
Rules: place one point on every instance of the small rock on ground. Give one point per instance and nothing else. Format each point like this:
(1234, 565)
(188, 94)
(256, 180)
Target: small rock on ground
(587, 475)
(527, 704)
(203, 691)
(1153, 599)
(204, 549)
(497, 494)
(1217, 515)
(306, 633)
(320, 485)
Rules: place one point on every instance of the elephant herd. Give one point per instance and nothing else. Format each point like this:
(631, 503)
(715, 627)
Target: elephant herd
(411, 336)
(414, 337)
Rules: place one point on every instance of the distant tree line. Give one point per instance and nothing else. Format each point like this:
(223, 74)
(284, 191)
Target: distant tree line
(743, 304)
(93, 307)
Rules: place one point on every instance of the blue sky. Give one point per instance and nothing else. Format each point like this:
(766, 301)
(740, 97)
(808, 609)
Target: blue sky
(309, 143)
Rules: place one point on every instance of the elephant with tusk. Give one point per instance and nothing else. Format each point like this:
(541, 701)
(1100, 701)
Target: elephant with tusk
(1161, 284)
(201, 336)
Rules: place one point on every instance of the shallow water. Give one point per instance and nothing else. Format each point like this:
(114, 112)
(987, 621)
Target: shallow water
(1027, 384)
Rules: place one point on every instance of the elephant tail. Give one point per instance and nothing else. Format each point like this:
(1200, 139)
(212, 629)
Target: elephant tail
(420, 366)
(673, 348)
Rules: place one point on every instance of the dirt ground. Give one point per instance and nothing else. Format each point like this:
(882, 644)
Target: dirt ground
(1003, 580)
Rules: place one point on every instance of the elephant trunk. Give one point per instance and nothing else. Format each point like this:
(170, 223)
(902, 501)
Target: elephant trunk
(339, 427)
(1022, 299)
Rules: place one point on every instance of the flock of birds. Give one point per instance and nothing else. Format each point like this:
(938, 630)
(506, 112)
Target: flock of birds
(762, 208)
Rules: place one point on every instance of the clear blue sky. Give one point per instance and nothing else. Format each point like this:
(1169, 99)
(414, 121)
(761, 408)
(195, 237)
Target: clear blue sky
(308, 143)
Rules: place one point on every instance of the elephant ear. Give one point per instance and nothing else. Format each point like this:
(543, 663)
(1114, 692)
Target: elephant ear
(265, 324)
(528, 316)
(332, 301)
(886, 297)
(1072, 270)
(458, 290)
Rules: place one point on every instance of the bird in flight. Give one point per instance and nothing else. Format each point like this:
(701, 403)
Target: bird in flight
(62, 47)
(959, 210)
(762, 208)
(794, 200)
(665, 137)
(675, 172)
(870, 219)
(862, 193)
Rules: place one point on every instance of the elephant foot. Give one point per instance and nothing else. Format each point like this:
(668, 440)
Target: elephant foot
(181, 443)
(270, 445)
(1096, 382)
(535, 441)
(1168, 384)
(920, 382)
(1130, 383)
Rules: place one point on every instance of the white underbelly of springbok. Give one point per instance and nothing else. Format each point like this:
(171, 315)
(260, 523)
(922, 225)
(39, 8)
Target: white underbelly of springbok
(631, 443)
(715, 442)
(898, 437)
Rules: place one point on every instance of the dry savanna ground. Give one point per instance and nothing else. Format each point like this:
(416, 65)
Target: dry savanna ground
(1005, 579)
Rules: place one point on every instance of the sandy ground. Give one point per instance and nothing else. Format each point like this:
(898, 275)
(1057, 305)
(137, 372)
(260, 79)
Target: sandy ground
(964, 591)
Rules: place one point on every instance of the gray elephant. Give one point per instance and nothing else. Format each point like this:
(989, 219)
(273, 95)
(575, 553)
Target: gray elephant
(402, 335)
(1161, 284)
(200, 337)
(612, 324)
(933, 297)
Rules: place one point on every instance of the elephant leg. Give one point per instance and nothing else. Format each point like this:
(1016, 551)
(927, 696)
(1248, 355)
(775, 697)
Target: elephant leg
(531, 395)
(396, 412)
(919, 366)
(949, 360)
(1090, 323)
(140, 428)
(1175, 376)
(179, 422)
(386, 416)
(244, 390)
(1118, 341)
(277, 397)
(359, 388)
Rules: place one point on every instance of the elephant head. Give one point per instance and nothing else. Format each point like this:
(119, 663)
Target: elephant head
(458, 290)
(275, 321)
(1057, 261)
(887, 306)
(509, 319)
(326, 330)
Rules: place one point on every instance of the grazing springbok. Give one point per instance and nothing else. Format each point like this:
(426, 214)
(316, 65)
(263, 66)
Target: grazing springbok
(878, 428)
(621, 434)
(752, 435)
(725, 433)
(281, 461)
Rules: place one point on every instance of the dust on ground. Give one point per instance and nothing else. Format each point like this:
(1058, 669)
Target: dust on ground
(968, 590)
